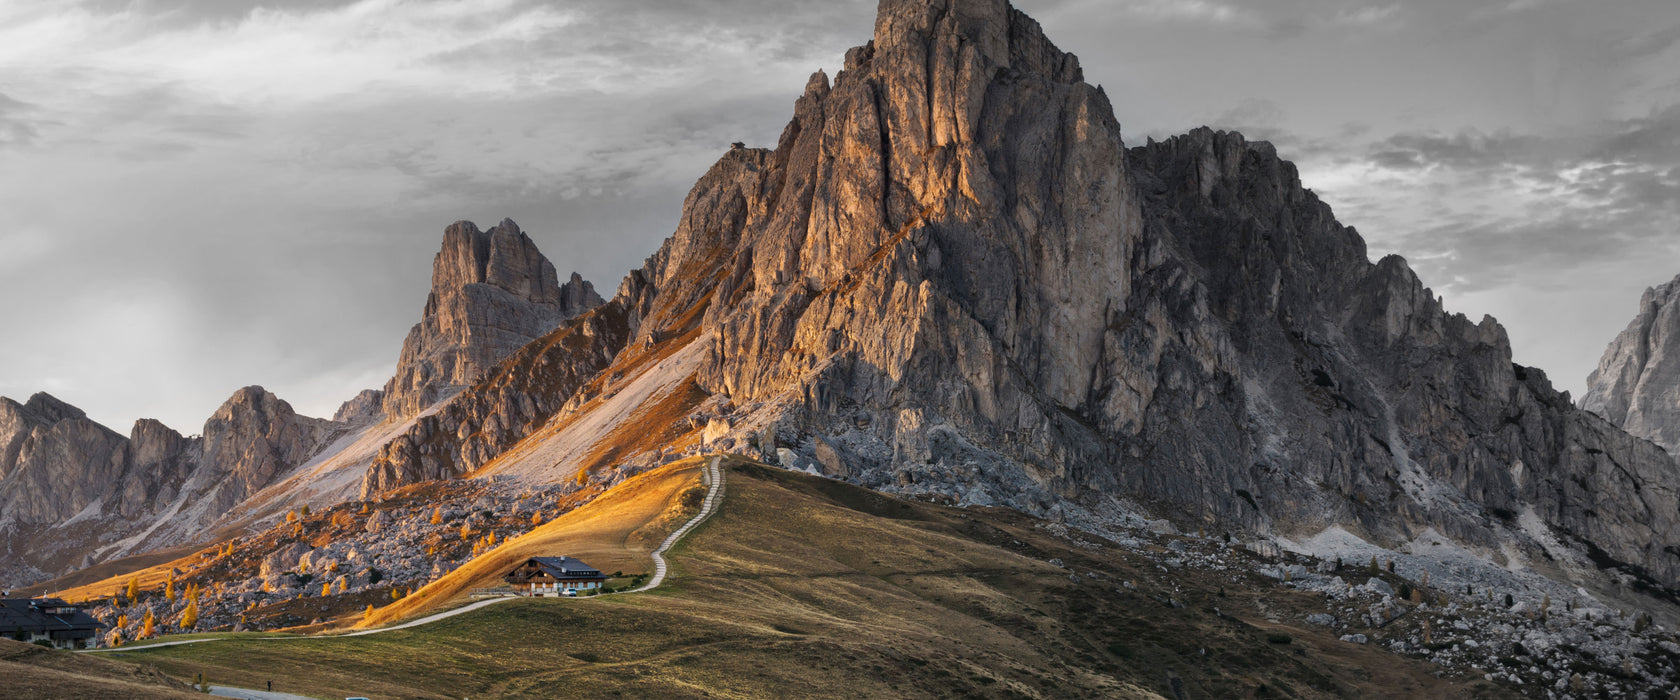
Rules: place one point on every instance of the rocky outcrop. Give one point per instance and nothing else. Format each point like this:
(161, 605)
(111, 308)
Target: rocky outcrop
(491, 416)
(492, 292)
(366, 407)
(1637, 383)
(250, 441)
(54, 461)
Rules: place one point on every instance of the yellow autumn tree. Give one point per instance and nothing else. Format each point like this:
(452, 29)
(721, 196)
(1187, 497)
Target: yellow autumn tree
(305, 510)
(536, 519)
(369, 611)
(326, 589)
(189, 617)
(292, 517)
(437, 515)
(122, 621)
(169, 588)
(148, 627)
(133, 589)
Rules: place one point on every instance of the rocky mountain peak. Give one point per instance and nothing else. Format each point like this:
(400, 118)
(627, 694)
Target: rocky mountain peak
(50, 409)
(492, 292)
(1637, 383)
(252, 439)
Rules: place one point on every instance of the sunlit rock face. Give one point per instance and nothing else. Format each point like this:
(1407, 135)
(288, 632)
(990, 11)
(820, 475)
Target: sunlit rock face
(951, 277)
(492, 292)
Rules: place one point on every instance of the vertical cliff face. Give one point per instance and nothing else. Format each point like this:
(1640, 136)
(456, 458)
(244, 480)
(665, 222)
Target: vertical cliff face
(250, 441)
(950, 276)
(55, 461)
(492, 292)
(1637, 383)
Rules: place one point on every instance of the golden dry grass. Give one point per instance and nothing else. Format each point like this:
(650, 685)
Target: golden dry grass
(611, 533)
(30, 671)
(151, 577)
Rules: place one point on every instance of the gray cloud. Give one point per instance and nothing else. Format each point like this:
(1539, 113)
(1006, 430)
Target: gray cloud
(1582, 199)
(16, 127)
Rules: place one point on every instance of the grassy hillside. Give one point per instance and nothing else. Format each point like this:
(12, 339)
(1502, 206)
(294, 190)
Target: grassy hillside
(30, 671)
(805, 586)
(613, 533)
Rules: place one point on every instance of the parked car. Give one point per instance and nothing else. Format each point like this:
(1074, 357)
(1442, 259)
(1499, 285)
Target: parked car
(570, 593)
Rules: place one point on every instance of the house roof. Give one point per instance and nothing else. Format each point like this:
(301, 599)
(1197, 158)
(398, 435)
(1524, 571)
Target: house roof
(563, 567)
(43, 615)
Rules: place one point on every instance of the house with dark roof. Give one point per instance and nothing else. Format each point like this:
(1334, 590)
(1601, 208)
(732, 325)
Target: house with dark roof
(554, 576)
(63, 625)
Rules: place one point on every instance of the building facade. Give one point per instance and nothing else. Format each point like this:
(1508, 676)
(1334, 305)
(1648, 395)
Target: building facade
(50, 620)
(554, 576)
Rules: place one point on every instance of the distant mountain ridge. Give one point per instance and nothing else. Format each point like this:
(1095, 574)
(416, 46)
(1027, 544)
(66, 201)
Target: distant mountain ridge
(71, 489)
(73, 492)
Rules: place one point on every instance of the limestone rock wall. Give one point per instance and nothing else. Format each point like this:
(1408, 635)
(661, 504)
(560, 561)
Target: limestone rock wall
(1637, 383)
(492, 292)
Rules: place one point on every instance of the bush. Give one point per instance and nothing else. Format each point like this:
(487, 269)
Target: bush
(1279, 638)
(375, 576)
(42, 643)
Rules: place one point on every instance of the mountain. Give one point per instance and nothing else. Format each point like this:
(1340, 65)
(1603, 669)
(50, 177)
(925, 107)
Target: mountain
(951, 277)
(1637, 383)
(492, 292)
(73, 491)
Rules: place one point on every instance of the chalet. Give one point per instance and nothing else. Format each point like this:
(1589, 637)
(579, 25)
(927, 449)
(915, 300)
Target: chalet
(51, 620)
(554, 576)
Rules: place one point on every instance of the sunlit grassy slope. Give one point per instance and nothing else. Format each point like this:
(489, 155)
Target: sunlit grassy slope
(615, 532)
(801, 586)
(151, 575)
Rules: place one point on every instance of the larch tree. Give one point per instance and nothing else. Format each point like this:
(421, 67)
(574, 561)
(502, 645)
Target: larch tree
(189, 617)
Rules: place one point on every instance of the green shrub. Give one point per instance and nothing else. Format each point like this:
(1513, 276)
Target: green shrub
(1279, 638)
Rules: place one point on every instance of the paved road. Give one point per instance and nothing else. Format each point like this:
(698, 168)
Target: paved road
(714, 494)
(228, 691)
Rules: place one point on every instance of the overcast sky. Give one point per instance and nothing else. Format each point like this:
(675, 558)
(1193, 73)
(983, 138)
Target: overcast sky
(204, 194)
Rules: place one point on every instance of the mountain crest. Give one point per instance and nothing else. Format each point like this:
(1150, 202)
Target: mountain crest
(492, 292)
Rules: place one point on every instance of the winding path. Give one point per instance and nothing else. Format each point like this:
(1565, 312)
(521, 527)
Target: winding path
(714, 494)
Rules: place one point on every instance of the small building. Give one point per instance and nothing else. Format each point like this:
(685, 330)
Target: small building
(554, 576)
(63, 625)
